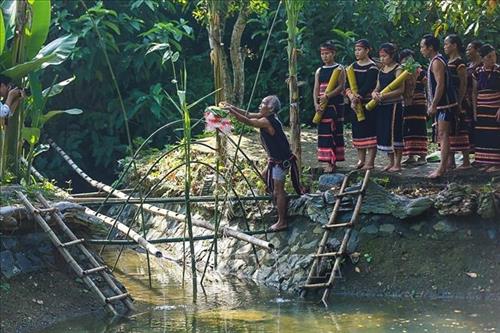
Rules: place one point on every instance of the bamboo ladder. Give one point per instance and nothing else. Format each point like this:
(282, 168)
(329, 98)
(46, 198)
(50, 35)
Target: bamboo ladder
(74, 241)
(328, 279)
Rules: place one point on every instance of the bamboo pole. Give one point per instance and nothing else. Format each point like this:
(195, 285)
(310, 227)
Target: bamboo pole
(59, 219)
(127, 231)
(161, 240)
(67, 256)
(161, 211)
(84, 200)
(103, 218)
(347, 235)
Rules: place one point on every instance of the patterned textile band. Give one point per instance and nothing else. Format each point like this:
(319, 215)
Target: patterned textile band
(294, 171)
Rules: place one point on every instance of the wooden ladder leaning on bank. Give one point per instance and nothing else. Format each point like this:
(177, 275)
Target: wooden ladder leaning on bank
(96, 268)
(327, 281)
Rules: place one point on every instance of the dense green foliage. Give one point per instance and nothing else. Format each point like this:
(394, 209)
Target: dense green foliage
(136, 34)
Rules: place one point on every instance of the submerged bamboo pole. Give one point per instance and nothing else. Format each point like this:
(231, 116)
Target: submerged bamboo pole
(225, 231)
(201, 199)
(127, 231)
(130, 242)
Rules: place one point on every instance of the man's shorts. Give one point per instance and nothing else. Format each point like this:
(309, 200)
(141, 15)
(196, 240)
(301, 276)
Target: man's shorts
(445, 114)
(279, 173)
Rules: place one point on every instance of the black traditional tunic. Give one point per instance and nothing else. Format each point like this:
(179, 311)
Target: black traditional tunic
(487, 128)
(460, 141)
(389, 117)
(447, 105)
(415, 119)
(331, 127)
(467, 104)
(279, 154)
(364, 133)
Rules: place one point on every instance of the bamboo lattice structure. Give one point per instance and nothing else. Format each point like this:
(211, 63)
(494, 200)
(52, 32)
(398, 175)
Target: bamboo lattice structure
(224, 230)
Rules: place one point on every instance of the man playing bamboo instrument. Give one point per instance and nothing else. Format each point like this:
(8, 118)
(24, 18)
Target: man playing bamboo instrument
(280, 157)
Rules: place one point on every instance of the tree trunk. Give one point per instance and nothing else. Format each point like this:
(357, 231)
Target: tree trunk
(238, 56)
(222, 77)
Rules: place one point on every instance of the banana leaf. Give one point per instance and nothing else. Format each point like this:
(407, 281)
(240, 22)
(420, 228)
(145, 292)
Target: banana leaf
(2, 33)
(53, 53)
(46, 117)
(57, 88)
(36, 33)
(30, 134)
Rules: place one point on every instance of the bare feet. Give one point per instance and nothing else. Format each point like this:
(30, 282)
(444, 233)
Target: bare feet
(409, 160)
(360, 165)
(367, 167)
(436, 174)
(330, 168)
(387, 167)
(278, 226)
(395, 169)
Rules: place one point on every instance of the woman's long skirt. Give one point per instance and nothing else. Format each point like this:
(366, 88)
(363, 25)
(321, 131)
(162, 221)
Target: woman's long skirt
(331, 136)
(389, 127)
(415, 130)
(487, 136)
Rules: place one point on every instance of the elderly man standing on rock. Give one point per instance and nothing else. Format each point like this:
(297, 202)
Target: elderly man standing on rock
(280, 156)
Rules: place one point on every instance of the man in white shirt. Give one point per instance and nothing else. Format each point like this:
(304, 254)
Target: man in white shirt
(9, 98)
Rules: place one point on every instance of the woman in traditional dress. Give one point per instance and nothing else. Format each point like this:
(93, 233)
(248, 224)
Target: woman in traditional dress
(364, 135)
(486, 90)
(458, 77)
(389, 111)
(330, 128)
(414, 114)
(475, 61)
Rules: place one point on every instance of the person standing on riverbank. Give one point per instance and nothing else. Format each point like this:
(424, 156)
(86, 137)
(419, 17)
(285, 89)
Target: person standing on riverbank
(389, 110)
(458, 79)
(441, 102)
(414, 114)
(486, 90)
(330, 126)
(364, 136)
(280, 156)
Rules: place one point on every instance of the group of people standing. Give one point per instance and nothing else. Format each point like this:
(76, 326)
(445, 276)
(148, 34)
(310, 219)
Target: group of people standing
(461, 99)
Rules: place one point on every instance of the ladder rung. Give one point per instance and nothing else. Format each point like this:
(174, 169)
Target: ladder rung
(94, 270)
(337, 225)
(45, 210)
(316, 285)
(340, 195)
(116, 298)
(328, 254)
(73, 242)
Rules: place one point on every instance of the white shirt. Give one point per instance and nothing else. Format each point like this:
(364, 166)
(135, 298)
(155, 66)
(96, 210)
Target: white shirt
(4, 111)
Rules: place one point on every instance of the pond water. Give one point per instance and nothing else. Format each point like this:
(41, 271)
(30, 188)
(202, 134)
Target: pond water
(232, 305)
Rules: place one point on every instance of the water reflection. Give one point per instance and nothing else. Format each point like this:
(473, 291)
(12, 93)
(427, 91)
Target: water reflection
(239, 306)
